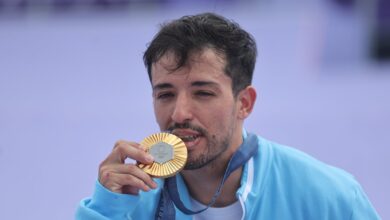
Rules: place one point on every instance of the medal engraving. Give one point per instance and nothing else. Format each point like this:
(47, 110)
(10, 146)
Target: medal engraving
(162, 152)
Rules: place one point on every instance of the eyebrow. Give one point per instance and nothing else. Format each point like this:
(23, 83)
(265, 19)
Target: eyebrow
(204, 83)
(162, 86)
(193, 84)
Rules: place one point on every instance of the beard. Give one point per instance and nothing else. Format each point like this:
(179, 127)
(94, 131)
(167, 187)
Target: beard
(215, 147)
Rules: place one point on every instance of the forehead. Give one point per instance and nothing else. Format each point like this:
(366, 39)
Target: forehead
(206, 63)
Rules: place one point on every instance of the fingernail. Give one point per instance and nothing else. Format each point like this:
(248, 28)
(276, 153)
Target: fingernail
(146, 189)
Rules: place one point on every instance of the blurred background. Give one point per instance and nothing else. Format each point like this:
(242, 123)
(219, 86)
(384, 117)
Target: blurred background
(72, 82)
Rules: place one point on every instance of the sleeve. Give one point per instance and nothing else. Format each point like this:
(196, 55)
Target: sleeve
(104, 205)
(362, 208)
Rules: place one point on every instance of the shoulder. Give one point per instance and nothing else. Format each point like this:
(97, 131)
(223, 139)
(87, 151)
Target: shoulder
(287, 175)
(294, 165)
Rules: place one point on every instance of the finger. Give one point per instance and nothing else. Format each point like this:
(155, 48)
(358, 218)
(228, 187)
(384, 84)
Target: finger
(137, 172)
(133, 144)
(116, 181)
(124, 149)
(105, 173)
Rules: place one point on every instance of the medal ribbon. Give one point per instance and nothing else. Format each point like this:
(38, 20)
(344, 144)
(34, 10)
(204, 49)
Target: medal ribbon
(170, 195)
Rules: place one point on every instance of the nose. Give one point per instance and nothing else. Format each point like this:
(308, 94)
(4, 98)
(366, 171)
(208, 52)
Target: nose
(182, 111)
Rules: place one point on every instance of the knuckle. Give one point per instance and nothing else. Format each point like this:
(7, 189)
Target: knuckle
(103, 169)
(105, 176)
(129, 180)
(119, 150)
(138, 183)
(106, 173)
(119, 143)
(131, 168)
(102, 165)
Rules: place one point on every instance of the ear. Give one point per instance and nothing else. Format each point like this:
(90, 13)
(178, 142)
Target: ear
(246, 99)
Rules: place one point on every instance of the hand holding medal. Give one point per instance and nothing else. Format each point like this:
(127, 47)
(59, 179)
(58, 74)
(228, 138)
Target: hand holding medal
(160, 155)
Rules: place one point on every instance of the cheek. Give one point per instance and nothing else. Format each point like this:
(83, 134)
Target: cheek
(217, 116)
(159, 114)
(162, 116)
(224, 116)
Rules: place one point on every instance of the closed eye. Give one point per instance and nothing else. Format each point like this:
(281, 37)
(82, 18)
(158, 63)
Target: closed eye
(165, 95)
(204, 93)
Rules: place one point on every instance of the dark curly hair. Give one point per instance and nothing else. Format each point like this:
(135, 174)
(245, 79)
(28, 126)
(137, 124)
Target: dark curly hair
(191, 34)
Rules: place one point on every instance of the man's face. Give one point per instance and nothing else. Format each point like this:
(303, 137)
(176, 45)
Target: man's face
(196, 103)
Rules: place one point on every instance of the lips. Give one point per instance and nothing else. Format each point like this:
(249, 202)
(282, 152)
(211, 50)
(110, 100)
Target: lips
(190, 137)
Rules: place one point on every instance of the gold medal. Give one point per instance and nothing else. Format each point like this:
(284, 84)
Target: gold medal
(169, 152)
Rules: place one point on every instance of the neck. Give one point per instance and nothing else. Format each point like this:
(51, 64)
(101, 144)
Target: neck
(203, 183)
(202, 188)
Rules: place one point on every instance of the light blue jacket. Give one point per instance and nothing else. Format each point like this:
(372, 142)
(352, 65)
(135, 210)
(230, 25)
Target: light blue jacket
(278, 183)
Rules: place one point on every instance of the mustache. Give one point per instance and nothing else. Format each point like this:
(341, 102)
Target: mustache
(186, 125)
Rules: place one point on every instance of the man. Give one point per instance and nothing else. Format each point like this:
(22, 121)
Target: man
(200, 68)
